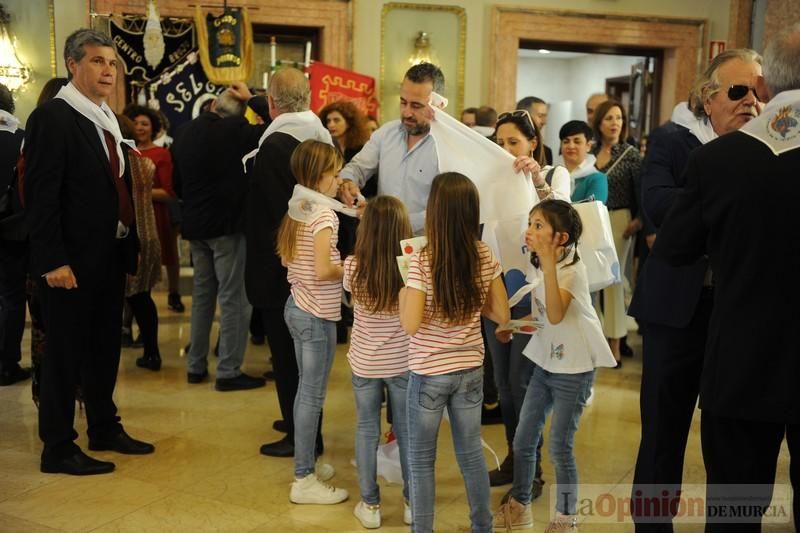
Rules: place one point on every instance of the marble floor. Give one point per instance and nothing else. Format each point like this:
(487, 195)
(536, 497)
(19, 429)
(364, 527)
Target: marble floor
(207, 474)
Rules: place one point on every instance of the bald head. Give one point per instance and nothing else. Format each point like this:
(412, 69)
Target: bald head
(288, 92)
(592, 103)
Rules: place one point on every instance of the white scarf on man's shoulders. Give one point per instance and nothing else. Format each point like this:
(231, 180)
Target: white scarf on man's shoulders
(778, 126)
(100, 115)
(302, 125)
(8, 122)
(702, 129)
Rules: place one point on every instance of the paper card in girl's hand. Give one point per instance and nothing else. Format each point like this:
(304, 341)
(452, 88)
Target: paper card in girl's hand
(413, 245)
(526, 327)
(402, 265)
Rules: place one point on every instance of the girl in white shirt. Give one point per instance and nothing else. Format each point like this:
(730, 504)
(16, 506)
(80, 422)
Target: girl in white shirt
(451, 282)
(307, 246)
(378, 352)
(565, 352)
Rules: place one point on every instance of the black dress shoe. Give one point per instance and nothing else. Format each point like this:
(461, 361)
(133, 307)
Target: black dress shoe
(624, 348)
(280, 425)
(149, 361)
(196, 378)
(258, 340)
(121, 443)
(13, 374)
(281, 448)
(505, 474)
(77, 464)
(240, 382)
(174, 302)
(269, 375)
(491, 415)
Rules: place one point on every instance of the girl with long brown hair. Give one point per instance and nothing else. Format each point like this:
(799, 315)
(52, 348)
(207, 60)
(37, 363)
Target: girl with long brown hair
(452, 281)
(307, 246)
(378, 352)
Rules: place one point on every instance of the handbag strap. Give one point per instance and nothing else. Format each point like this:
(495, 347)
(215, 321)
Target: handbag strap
(620, 158)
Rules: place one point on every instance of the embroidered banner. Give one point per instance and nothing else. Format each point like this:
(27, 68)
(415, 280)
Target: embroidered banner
(128, 36)
(180, 92)
(225, 45)
(331, 84)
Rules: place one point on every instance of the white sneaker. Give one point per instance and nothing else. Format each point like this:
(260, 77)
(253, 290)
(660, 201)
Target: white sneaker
(407, 518)
(312, 490)
(368, 515)
(325, 472)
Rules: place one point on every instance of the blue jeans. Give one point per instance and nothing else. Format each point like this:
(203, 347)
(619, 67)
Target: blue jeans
(512, 370)
(314, 347)
(369, 396)
(462, 393)
(219, 274)
(565, 395)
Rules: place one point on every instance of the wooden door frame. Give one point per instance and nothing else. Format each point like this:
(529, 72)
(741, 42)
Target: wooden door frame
(681, 39)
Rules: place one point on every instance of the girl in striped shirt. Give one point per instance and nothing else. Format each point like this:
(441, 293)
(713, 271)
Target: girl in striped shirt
(452, 281)
(308, 250)
(378, 352)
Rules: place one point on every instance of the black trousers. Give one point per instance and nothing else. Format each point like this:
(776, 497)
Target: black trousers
(671, 368)
(13, 269)
(83, 347)
(742, 455)
(284, 365)
(143, 309)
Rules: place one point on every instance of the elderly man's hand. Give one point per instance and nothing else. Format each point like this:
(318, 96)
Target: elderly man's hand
(240, 91)
(348, 193)
(61, 278)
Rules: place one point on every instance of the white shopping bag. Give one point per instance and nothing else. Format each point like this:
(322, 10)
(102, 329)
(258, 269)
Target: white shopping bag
(596, 246)
(389, 462)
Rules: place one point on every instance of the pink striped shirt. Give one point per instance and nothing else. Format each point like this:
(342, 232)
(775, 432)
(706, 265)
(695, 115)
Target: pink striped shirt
(439, 348)
(378, 344)
(323, 299)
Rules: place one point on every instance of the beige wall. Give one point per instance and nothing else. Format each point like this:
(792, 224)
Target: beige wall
(72, 14)
(367, 24)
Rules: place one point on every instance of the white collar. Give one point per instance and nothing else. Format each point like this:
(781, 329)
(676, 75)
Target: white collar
(702, 129)
(682, 115)
(8, 122)
(101, 115)
(586, 168)
(778, 126)
(302, 125)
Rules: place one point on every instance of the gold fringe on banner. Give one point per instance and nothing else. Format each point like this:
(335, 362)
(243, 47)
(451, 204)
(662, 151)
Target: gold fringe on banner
(225, 75)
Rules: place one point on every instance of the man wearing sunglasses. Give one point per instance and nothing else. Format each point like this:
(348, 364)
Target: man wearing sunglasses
(749, 388)
(673, 304)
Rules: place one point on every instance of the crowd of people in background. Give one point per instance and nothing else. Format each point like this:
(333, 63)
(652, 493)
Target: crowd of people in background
(295, 223)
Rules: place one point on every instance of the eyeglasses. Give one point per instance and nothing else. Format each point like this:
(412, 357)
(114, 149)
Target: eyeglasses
(737, 92)
(519, 113)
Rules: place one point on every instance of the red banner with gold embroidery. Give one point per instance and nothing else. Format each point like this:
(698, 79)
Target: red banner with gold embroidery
(331, 84)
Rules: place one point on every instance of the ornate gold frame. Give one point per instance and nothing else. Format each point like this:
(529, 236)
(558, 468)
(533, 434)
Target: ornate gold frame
(460, 12)
(51, 15)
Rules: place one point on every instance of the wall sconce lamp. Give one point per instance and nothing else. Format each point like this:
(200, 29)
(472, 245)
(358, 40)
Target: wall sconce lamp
(422, 50)
(13, 73)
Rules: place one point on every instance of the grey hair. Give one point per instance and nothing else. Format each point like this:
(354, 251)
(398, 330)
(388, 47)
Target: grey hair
(708, 82)
(290, 91)
(6, 99)
(229, 106)
(782, 62)
(74, 45)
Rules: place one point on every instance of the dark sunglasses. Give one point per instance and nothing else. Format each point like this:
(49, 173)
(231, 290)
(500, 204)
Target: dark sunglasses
(519, 113)
(737, 92)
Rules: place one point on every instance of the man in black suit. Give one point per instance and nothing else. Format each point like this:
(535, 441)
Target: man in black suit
(270, 186)
(751, 371)
(673, 304)
(208, 155)
(13, 249)
(83, 242)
